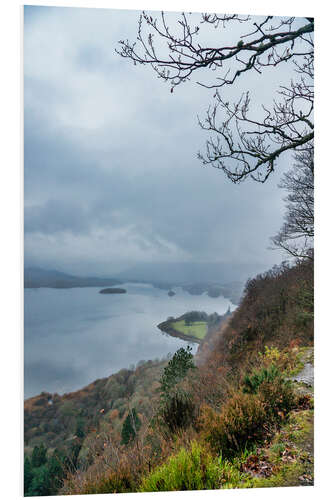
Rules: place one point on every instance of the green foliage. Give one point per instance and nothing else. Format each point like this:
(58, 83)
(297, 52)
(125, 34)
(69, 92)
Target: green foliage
(194, 469)
(254, 380)
(278, 397)
(80, 428)
(28, 475)
(130, 427)
(38, 456)
(176, 369)
(42, 475)
(56, 467)
(73, 455)
(232, 475)
(40, 484)
(196, 329)
(176, 406)
(178, 411)
(305, 305)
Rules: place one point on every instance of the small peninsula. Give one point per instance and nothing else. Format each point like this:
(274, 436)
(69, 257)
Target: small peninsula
(113, 290)
(192, 326)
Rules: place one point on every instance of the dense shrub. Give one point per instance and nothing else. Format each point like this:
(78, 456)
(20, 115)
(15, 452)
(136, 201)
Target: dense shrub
(253, 381)
(240, 422)
(40, 484)
(209, 384)
(114, 482)
(119, 471)
(120, 481)
(247, 418)
(38, 456)
(278, 398)
(178, 411)
(193, 469)
(28, 475)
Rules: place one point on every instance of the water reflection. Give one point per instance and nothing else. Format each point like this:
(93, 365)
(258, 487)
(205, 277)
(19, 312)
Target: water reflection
(74, 336)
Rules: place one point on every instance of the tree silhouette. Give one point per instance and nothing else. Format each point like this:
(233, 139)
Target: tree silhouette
(297, 232)
(239, 144)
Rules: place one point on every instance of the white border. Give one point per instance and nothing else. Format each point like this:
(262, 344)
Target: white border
(12, 231)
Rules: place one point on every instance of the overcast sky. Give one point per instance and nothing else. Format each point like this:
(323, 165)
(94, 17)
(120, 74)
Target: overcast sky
(111, 174)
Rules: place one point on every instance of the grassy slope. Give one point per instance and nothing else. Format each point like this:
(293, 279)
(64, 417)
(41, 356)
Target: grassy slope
(197, 329)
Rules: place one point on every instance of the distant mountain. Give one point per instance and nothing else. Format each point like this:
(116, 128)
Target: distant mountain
(180, 273)
(34, 277)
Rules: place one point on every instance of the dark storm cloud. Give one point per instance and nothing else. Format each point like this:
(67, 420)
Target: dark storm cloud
(111, 173)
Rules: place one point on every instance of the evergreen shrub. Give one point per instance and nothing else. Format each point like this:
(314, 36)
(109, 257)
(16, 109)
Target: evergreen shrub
(193, 469)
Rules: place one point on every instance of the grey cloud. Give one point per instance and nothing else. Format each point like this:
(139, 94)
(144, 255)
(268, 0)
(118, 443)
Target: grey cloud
(55, 216)
(90, 58)
(111, 161)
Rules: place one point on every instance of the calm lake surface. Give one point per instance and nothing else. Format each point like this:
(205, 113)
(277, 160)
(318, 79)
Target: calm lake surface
(75, 336)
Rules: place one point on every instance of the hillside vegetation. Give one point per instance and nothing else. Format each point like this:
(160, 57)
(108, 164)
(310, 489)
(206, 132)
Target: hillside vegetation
(234, 416)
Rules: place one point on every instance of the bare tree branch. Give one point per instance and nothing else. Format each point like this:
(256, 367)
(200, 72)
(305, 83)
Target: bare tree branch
(297, 232)
(240, 145)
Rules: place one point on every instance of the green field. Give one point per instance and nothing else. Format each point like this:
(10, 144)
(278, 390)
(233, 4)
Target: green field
(197, 329)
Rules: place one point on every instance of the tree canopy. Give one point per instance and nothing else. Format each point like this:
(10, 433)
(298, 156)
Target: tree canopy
(240, 144)
(176, 369)
(130, 427)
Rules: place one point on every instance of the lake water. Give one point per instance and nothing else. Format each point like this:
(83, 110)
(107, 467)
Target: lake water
(75, 336)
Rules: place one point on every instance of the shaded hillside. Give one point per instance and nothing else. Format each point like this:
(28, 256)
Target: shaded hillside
(278, 306)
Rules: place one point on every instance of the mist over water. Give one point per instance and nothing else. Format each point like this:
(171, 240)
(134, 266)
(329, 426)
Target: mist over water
(75, 336)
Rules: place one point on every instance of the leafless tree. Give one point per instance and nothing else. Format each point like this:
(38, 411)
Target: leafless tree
(297, 232)
(239, 144)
